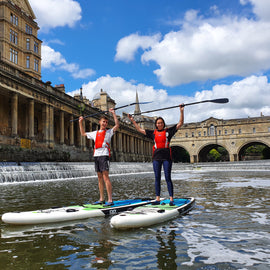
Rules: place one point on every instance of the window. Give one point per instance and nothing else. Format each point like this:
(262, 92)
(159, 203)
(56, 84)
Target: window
(225, 132)
(13, 56)
(192, 134)
(28, 44)
(232, 131)
(199, 134)
(35, 47)
(268, 129)
(240, 131)
(204, 133)
(211, 130)
(186, 134)
(219, 132)
(28, 29)
(27, 61)
(36, 63)
(13, 19)
(13, 37)
(254, 130)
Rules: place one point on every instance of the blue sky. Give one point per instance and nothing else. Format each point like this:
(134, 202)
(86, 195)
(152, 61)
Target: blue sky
(168, 51)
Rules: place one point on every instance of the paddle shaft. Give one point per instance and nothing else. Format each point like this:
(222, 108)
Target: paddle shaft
(121, 107)
(220, 100)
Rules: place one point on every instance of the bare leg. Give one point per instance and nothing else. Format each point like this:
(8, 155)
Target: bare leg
(108, 185)
(100, 186)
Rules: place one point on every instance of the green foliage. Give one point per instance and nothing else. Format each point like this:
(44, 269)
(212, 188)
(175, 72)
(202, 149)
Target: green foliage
(214, 155)
(81, 108)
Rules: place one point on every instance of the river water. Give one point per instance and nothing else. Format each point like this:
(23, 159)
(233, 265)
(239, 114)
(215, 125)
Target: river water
(227, 229)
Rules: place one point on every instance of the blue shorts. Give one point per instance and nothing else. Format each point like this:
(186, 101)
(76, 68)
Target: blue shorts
(102, 163)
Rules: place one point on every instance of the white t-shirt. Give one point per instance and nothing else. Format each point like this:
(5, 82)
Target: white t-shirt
(103, 151)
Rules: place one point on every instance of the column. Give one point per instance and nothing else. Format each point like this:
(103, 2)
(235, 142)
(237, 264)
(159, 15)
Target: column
(120, 142)
(31, 113)
(45, 122)
(14, 115)
(83, 138)
(51, 127)
(62, 127)
(71, 131)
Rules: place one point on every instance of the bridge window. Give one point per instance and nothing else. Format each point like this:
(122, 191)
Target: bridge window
(192, 134)
(211, 130)
(219, 132)
(186, 134)
(254, 130)
(232, 131)
(225, 131)
(204, 133)
(240, 131)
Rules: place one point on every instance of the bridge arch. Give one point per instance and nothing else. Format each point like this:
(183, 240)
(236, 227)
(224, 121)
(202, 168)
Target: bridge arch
(243, 147)
(203, 152)
(180, 154)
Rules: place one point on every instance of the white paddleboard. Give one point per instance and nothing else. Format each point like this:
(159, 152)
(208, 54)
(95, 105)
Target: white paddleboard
(152, 214)
(60, 214)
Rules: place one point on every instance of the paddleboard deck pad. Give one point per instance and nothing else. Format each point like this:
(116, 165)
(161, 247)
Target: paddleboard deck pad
(60, 214)
(148, 215)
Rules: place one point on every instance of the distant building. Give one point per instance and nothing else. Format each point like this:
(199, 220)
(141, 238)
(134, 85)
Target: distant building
(103, 101)
(145, 122)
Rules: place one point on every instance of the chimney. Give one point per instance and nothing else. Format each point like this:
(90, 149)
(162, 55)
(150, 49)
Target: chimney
(60, 87)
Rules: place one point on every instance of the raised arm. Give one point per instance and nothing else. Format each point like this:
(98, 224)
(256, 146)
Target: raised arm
(81, 126)
(181, 121)
(136, 125)
(116, 126)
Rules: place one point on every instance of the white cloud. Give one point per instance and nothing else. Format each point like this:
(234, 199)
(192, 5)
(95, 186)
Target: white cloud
(260, 7)
(128, 46)
(206, 48)
(53, 60)
(55, 13)
(245, 98)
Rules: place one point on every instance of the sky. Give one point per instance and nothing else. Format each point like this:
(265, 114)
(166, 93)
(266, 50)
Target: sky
(169, 51)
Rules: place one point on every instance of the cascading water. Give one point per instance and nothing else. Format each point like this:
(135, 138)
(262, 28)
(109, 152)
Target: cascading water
(12, 172)
(25, 172)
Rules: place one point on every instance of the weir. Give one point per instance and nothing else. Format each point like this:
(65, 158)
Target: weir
(11, 172)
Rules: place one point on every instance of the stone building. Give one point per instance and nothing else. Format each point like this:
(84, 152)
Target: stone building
(38, 122)
(19, 44)
(234, 135)
(103, 101)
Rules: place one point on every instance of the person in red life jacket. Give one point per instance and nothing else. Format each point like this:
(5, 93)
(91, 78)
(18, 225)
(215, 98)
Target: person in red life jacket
(161, 150)
(102, 139)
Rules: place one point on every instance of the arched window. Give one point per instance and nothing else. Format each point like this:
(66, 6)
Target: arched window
(212, 130)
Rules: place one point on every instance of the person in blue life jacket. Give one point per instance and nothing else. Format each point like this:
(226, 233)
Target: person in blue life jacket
(161, 150)
(102, 139)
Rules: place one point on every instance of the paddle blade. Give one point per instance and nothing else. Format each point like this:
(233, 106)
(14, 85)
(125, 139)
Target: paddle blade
(220, 100)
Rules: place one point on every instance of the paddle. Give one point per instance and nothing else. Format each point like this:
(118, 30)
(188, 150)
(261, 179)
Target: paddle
(219, 100)
(121, 107)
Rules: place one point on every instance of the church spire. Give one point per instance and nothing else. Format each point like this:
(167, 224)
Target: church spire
(137, 106)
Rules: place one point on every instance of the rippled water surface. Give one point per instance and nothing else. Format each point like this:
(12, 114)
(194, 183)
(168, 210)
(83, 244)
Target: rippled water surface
(228, 229)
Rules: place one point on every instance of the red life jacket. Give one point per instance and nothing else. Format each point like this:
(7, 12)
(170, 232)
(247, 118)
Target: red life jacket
(161, 140)
(100, 141)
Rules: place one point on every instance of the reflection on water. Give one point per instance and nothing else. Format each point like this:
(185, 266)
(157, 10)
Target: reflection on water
(228, 229)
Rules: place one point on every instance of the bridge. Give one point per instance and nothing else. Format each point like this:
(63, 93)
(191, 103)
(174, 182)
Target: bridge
(235, 135)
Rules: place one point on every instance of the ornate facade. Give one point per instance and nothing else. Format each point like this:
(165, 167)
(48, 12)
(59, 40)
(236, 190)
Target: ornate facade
(38, 121)
(233, 134)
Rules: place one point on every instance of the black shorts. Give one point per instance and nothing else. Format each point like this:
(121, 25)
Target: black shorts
(102, 163)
